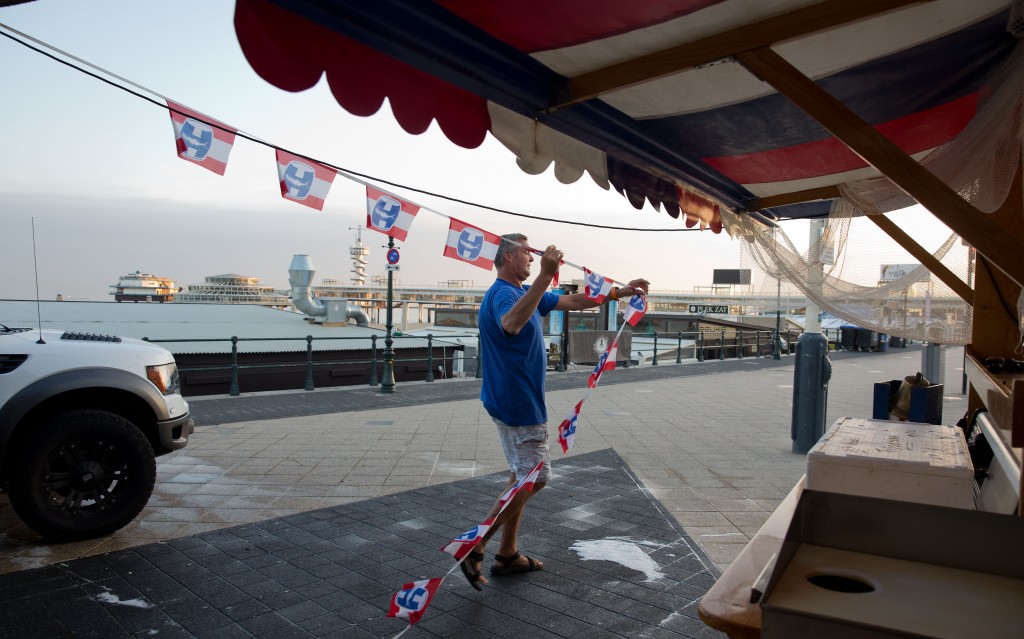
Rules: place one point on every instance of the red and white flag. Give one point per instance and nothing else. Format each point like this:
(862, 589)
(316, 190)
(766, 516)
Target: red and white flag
(201, 139)
(412, 600)
(526, 483)
(303, 181)
(388, 214)
(605, 363)
(598, 286)
(461, 545)
(636, 309)
(567, 429)
(471, 244)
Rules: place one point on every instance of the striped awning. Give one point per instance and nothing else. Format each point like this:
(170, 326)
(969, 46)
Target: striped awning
(660, 99)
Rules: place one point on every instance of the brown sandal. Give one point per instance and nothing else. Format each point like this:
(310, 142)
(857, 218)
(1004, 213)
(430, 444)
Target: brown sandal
(509, 569)
(471, 568)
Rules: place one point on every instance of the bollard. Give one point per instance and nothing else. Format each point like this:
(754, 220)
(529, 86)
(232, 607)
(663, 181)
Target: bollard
(234, 367)
(654, 361)
(479, 360)
(373, 360)
(309, 362)
(811, 375)
(721, 344)
(739, 344)
(430, 357)
(679, 347)
(700, 346)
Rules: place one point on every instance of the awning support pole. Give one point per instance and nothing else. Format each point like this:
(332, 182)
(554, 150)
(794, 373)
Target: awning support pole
(1002, 250)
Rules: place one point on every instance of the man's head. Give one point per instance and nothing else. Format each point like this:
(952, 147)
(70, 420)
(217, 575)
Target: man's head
(513, 257)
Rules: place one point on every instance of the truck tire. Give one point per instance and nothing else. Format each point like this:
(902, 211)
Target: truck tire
(84, 474)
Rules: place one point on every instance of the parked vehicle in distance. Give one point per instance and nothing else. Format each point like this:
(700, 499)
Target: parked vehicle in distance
(82, 419)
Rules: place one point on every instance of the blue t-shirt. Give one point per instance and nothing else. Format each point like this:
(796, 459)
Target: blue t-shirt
(514, 366)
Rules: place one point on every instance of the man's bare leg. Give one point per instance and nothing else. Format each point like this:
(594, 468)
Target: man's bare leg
(508, 522)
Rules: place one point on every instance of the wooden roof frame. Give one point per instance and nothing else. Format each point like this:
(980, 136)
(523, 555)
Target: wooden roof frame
(794, 24)
(750, 46)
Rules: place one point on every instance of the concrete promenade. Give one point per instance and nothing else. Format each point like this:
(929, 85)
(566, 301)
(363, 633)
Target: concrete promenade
(332, 499)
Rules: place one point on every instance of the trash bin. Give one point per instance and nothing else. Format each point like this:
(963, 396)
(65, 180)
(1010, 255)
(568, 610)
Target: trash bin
(895, 342)
(848, 337)
(866, 340)
(883, 343)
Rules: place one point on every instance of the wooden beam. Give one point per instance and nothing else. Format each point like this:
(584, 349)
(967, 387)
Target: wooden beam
(797, 197)
(927, 259)
(794, 24)
(1002, 250)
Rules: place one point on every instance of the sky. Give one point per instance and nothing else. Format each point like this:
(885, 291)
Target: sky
(95, 170)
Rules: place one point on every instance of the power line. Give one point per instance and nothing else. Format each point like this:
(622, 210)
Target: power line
(346, 172)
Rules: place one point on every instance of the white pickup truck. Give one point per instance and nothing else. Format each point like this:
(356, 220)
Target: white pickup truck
(82, 419)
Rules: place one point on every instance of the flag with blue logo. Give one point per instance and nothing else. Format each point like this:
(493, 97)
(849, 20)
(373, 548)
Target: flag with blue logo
(412, 600)
(201, 139)
(461, 545)
(636, 309)
(388, 214)
(303, 181)
(605, 363)
(567, 429)
(598, 286)
(471, 244)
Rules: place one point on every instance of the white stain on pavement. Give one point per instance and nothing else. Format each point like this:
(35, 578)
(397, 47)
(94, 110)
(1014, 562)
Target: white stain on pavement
(110, 598)
(621, 550)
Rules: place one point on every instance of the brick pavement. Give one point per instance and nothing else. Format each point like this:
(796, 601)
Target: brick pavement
(707, 449)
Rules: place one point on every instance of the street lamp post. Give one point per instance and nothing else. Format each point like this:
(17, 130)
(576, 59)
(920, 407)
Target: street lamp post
(387, 384)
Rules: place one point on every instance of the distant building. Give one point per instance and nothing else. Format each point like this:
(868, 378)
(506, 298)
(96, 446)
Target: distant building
(232, 288)
(143, 287)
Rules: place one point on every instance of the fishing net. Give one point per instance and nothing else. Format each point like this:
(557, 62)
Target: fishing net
(876, 285)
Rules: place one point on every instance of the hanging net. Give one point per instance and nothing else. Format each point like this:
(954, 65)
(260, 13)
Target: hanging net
(876, 285)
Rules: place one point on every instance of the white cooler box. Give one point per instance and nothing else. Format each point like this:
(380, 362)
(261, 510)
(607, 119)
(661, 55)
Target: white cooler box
(903, 461)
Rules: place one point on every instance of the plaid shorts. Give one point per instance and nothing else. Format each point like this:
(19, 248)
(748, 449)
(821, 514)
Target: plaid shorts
(525, 447)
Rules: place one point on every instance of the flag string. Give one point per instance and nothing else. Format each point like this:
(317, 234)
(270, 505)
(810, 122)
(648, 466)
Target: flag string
(416, 595)
(99, 73)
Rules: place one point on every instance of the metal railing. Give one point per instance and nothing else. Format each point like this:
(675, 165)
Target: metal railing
(696, 345)
(310, 364)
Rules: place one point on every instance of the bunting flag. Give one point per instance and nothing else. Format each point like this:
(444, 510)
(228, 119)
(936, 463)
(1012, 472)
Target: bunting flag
(199, 142)
(388, 214)
(526, 483)
(605, 363)
(598, 286)
(461, 545)
(471, 244)
(567, 429)
(412, 600)
(636, 309)
(303, 181)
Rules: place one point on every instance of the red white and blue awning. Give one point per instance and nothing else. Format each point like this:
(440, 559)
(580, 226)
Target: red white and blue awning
(583, 83)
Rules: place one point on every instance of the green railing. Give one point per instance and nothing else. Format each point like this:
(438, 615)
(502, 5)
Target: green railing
(310, 364)
(700, 346)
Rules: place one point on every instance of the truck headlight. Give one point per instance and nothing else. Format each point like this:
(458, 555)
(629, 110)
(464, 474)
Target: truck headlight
(165, 378)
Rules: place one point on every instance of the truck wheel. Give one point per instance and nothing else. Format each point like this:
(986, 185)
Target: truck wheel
(84, 474)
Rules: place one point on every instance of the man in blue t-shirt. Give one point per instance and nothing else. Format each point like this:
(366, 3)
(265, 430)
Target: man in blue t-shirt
(514, 364)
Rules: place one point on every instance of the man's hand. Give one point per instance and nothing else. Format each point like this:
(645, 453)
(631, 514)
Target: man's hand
(637, 286)
(550, 260)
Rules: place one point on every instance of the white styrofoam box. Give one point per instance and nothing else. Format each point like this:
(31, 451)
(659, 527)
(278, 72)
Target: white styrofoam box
(904, 461)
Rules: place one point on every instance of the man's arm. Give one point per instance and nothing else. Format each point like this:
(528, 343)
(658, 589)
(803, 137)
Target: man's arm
(579, 301)
(516, 318)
